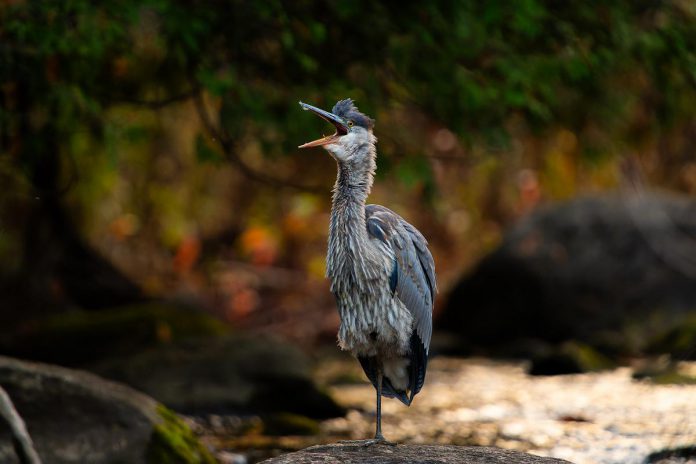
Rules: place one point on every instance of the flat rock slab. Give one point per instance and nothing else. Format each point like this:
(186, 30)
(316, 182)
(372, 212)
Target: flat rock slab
(359, 452)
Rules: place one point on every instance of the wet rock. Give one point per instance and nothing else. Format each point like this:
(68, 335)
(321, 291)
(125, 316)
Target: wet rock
(77, 417)
(359, 452)
(683, 455)
(612, 272)
(234, 373)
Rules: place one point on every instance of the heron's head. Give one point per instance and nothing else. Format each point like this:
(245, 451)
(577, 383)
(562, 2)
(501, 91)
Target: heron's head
(353, 131)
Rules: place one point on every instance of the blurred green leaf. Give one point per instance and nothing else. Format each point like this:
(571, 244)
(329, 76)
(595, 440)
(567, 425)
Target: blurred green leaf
(204, 153)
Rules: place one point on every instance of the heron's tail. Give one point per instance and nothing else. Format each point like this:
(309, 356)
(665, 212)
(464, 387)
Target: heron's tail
(416, 367)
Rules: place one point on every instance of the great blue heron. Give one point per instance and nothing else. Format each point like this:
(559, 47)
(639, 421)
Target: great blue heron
(382, 273)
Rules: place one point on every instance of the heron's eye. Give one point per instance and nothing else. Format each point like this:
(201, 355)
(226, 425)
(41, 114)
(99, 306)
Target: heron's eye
(350, 123)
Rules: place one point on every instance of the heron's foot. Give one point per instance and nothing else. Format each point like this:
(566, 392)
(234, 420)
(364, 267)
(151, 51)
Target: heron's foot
(379, 440)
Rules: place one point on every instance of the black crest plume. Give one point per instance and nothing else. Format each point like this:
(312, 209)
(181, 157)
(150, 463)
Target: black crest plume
(347, 110)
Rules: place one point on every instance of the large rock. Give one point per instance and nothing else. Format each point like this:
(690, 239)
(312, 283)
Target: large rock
(682, 455)
(235, 373)
(180, 356)
(613, 272)
(76, 417)
(359, 453)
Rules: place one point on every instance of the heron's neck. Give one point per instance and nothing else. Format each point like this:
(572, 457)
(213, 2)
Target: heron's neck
(353, 185)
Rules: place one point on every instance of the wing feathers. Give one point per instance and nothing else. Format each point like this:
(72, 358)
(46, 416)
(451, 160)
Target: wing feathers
(412, 280)
(415, 269)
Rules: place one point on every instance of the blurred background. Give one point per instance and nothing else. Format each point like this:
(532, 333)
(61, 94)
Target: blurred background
(159, 227)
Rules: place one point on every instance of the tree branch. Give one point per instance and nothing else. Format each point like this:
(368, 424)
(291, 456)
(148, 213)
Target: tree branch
(23, 443)
(222, 138)
(230, 153)
(156, 104)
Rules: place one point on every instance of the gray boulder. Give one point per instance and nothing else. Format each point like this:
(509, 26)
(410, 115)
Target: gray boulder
(682, 455)
(233, 373)
(612, 272)
(76, 417)
(359, 453)
(182, 357)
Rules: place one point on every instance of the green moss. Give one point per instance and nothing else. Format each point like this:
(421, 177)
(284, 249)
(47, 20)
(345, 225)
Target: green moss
(673, 378)
(172, 442)
(587, 358)
(78, 337)
(664, 373)
(680, 341)
(569, 358)
(289, 424)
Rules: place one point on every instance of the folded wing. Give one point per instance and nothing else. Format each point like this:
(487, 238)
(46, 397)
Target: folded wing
(412, 281)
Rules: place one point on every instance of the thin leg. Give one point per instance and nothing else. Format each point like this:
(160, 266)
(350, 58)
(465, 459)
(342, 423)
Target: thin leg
(379, 438)
(378, 431)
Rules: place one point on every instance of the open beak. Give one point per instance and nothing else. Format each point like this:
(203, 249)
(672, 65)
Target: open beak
(339, 124)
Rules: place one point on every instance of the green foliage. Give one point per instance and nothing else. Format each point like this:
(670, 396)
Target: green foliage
(204, 153)
(469, 64)
(83, 86)
(80, 337)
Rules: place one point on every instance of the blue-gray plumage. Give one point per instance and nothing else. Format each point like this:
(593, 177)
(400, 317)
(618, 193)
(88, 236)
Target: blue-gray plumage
(381, 271)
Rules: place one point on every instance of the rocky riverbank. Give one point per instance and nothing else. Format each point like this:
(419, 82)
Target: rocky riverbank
(595, 418)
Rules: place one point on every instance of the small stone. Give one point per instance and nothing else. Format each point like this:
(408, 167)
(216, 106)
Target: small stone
(225, 457)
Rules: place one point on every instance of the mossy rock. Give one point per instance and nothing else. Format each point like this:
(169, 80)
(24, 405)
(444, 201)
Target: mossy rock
(182, 357)
(670, 378)
(289, 424)
(77, 417)
(679, 342)
(173, 442)
(663, 371)
(569, 358)
(80, 337)
(235, 373)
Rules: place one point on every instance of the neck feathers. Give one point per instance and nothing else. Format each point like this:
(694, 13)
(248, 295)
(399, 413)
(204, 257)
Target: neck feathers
(347, 230)
(356, 174)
